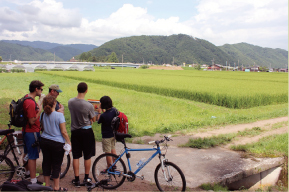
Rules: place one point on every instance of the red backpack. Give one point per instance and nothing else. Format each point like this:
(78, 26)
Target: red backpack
(119, 123)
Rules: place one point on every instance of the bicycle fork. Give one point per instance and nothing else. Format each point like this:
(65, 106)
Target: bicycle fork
(165, 169)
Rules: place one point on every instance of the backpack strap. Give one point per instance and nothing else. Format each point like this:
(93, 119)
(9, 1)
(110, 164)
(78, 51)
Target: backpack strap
(36, 107)
(116, 111)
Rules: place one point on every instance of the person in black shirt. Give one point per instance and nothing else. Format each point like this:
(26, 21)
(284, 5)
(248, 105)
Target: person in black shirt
(105, 118)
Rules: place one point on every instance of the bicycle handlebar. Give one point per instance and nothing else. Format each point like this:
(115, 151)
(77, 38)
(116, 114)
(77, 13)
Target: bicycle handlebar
(166, 138)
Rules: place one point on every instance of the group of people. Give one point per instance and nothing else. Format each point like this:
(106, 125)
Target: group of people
(54, 140)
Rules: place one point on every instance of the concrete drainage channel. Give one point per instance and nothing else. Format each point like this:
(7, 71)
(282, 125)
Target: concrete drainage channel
(263, 174)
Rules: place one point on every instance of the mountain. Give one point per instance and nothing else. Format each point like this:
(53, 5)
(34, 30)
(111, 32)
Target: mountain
(177, 49)
(249, 54)
(25, 53)
(65, 52)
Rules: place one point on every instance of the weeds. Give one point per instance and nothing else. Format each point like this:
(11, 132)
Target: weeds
(214, 187)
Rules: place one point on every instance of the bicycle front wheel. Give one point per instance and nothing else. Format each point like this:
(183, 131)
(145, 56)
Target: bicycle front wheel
(113, 175)
(7, 169)
(170, 177)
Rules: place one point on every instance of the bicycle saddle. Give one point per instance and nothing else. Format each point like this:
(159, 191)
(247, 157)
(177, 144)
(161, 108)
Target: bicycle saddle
(121, 136)
(7, 131)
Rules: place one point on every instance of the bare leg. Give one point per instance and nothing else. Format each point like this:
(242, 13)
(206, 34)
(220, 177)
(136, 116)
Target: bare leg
(108, 161)
(76, 167)
(87, 164)
(56, 184)
(47, 180)
(32, 168)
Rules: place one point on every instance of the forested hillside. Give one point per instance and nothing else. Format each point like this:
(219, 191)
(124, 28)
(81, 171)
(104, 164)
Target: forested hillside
(249, 54)
(177, 49)
(65, 52)
(25, 53)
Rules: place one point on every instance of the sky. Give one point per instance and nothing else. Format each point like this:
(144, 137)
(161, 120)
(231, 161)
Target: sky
(259, 22)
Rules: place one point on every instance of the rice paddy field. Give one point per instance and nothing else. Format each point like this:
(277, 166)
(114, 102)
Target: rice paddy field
(158, 101)
(229, 89)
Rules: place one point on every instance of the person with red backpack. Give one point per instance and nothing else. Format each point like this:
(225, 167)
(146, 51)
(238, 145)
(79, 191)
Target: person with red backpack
(106, 112)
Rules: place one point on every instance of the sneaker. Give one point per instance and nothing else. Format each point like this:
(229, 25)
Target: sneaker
(75, 183)
(87, 181)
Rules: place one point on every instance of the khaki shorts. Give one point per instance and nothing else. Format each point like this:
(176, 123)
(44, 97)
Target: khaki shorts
(108, 144)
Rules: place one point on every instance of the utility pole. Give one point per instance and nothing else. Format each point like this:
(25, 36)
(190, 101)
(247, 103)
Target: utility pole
(173, 60)
(122, 61)
(238, 64)
(226, 66)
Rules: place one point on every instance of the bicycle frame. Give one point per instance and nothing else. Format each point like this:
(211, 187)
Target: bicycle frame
(127, 150)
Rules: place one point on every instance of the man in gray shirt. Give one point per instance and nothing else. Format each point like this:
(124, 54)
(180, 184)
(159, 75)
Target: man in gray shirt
(82, 137)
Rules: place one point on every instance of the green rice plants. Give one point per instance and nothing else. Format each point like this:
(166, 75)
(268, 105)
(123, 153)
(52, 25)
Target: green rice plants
(148, 113)
(229, 89)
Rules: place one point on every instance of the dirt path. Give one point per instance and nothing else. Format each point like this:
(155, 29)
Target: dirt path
(269, 127)
(266, 125)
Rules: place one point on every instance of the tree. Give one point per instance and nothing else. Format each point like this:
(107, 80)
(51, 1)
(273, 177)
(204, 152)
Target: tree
(113, 58)
(198, 67)
(0, 58)
(83, 56)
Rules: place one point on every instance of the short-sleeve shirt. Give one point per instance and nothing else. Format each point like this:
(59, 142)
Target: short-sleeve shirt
(30, 111)
(81, 112)
(51, 126)
(105, 120)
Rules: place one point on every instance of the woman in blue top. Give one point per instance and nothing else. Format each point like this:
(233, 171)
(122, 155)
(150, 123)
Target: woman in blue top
(52, 141)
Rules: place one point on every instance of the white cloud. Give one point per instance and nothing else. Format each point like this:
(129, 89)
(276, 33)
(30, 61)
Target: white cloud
(260, 22)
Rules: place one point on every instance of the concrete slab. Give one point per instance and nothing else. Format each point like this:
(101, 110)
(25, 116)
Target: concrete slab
(215, 165)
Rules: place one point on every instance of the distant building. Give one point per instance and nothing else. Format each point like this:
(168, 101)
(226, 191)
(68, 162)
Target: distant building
(283, 70)
(73, 60)
(215, 67)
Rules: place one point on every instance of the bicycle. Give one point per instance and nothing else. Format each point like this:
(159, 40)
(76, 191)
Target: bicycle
(167, 175)
(18, 148)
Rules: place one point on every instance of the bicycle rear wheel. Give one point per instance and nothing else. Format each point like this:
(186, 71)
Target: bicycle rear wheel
(7, 169)
(113, 176)
(19, 152)
(172, 179)
(65, 165)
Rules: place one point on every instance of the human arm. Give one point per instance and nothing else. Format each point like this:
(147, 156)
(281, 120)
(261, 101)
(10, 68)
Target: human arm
(32, 120)
(99, 111)
(64, 133)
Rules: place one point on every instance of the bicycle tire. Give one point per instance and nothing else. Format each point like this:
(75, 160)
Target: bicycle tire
(177, 181)
(114, 180)
(65, 165)
(19, 156)
(7, 169)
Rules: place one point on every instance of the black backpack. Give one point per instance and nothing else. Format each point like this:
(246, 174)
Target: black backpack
(16, 112)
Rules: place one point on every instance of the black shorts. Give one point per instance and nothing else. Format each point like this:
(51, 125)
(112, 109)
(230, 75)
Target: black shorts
(52, 152)
(83, 141)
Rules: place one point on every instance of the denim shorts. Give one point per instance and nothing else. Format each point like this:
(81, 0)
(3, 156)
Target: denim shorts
(29, 139)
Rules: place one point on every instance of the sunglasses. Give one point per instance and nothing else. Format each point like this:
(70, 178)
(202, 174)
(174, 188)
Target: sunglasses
(40, 89)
